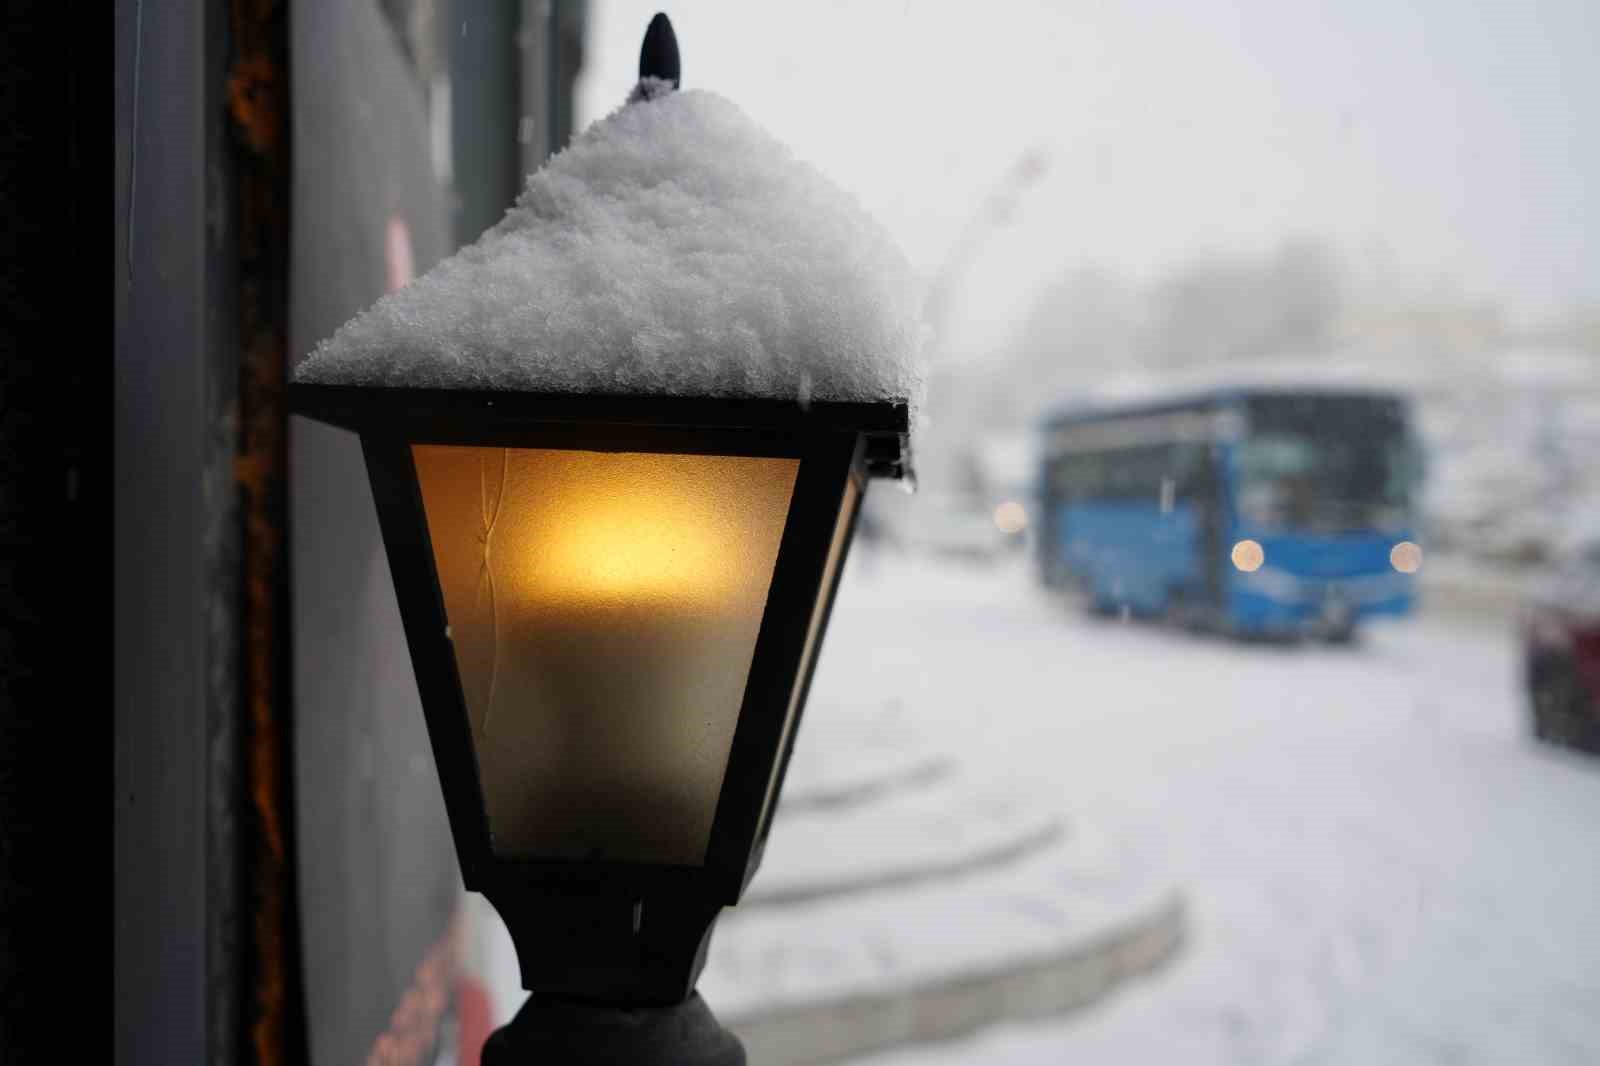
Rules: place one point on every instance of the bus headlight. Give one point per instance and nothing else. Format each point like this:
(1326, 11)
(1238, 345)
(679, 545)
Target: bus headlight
(1247, 556)
(1010, 517)
(1406, 557)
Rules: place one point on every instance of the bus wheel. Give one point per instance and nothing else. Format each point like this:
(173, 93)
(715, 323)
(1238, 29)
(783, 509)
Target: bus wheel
(1556, 718)
(1178, 614)
(1344, 634)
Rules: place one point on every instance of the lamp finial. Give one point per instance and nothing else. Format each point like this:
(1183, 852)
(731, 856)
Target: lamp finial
(658, 58)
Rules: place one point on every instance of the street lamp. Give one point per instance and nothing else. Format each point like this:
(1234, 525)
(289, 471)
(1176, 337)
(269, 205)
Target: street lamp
(614, 606)
(614, 603)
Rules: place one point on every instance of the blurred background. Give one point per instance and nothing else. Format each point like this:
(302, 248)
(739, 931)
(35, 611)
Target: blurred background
(1225, 688)
(1102, 196)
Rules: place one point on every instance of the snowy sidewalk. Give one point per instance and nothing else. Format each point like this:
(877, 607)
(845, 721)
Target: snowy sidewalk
(905, 898)
(916, 885)
(1378, 864)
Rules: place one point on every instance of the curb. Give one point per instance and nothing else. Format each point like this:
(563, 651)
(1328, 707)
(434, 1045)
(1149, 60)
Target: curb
(1007, 850)
(830, 1030)
(856, 793)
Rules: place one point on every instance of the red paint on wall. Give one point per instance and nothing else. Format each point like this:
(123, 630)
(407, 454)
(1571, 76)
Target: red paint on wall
(475, 1014)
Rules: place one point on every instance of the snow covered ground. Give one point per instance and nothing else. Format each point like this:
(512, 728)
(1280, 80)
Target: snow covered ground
(1380, 867)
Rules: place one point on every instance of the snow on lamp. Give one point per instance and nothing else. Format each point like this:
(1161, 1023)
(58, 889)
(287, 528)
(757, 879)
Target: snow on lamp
(617, 448)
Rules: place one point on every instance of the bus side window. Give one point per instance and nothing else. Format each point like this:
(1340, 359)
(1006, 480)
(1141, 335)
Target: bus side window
(1082, 477)
(1122, 477)
(1191, 471)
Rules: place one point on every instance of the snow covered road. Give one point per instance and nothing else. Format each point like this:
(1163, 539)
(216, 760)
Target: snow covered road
(1380, 866)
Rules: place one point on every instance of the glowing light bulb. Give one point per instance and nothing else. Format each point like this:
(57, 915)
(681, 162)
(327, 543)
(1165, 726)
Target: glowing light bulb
(1406, 557)
(1248, 556)
(1010, 517)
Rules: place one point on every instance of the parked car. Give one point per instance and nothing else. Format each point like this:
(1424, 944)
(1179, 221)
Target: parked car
(1561, 646)
(967, 535)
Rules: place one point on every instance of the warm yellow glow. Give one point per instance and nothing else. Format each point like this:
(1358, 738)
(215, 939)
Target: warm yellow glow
(1010, 517)
(603, 608)
(661, 543)
(1248, 556)
(1406, 557)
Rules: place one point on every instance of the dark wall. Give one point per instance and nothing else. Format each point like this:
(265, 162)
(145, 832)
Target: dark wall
(378, 876)
(486, 113)
(375, 884)
(376, 880)
(174, 354)
(55, 514)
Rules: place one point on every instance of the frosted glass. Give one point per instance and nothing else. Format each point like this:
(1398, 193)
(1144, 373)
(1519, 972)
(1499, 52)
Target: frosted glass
(604, 608)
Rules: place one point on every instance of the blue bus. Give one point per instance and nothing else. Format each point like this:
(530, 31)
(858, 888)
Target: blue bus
(1269, 512)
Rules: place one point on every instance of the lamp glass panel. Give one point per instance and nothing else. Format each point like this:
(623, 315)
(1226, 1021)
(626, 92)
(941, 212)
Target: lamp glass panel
(603, 608)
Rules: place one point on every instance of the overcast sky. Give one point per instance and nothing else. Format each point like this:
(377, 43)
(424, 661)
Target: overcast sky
(1456, 141)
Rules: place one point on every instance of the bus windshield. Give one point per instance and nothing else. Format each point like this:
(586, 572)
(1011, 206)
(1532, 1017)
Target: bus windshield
(1327, 462)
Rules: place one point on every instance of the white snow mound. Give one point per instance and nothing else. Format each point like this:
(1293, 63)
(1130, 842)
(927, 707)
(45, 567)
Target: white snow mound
(674, 248)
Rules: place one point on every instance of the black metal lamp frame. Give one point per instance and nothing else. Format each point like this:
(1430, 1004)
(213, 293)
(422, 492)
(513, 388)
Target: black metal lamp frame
(606, 932)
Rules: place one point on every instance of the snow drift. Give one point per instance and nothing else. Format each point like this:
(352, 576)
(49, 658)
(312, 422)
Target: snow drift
(674, 248)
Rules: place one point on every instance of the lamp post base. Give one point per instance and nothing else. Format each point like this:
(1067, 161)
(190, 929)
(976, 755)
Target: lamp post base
(549, 1032)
